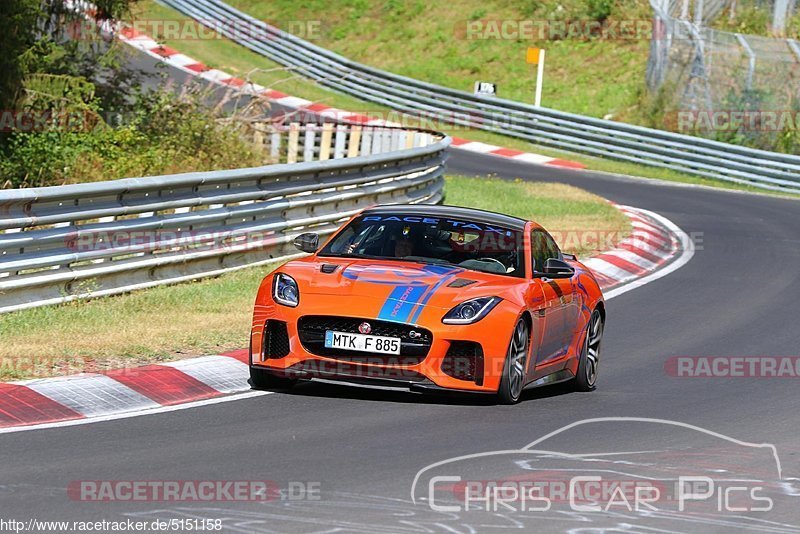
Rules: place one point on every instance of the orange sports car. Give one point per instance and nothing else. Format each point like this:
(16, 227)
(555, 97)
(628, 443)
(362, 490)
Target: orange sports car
(430, 298)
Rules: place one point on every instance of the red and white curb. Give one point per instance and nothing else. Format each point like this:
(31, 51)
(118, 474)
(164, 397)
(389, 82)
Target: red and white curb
(655, 247)
(511, 153)
(196, 68)
(651, 244)
(121, 391)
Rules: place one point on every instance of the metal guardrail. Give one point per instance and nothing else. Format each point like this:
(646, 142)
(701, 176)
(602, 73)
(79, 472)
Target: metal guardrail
(89, 240)
(576, 133)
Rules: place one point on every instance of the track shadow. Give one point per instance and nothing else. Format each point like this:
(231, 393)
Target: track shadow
(315, 388)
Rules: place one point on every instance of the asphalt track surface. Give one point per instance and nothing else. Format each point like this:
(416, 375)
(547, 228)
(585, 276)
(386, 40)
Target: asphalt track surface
(737, 297)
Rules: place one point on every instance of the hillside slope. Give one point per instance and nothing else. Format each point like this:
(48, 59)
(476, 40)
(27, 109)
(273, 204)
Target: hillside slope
(459, 42)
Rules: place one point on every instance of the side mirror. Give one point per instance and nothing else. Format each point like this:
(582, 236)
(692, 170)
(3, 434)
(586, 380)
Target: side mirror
(555, 268)
(308, 242)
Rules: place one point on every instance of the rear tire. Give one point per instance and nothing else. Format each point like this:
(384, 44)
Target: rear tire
(586, 379)
(263, 379)
(513, 380)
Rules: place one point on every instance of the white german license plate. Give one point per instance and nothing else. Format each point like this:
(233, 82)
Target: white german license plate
(362, 342)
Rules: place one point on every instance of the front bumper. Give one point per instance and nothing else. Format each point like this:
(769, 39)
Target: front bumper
(434, 372)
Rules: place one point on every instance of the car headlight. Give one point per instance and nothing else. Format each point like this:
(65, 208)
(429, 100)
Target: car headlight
(284, 290)
(471, 311)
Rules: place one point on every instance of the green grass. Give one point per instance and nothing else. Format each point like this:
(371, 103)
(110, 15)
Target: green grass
(213, 315)
(429, 41)
(159, 324)
(753, 17)
(230, 57)
(559, 208)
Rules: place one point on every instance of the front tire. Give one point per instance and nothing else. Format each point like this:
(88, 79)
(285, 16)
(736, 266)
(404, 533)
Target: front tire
(586, 379)
(513, 380)
(263, 379)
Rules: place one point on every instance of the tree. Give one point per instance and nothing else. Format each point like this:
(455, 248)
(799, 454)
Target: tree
(35, 39)
(17, 36)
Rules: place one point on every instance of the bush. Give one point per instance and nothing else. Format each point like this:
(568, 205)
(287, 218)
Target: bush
(48, 74)
(163, 134)
(748, 19)
(599, 10)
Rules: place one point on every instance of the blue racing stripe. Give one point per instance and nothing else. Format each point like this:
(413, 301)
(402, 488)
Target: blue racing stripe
(400, 302)
(433, 290)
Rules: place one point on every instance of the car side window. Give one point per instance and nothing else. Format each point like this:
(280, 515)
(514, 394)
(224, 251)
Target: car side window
(543, 247)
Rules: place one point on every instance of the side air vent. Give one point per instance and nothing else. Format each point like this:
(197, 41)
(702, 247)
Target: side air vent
(328, 268)
(464, 361)
(276, 339)
(460, 282)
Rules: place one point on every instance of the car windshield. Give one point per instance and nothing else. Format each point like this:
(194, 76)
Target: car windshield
(466, 243)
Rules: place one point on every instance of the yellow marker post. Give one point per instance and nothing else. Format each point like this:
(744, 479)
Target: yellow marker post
(535, 56)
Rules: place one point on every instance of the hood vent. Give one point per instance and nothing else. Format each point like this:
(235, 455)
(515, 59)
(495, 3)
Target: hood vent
(328, 268)
(460, 282)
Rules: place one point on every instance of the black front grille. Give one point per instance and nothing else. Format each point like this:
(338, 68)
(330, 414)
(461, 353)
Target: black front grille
(464, 361)
(276, 339)
(415, 342)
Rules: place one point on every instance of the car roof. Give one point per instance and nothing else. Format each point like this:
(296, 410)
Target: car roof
(512, 223)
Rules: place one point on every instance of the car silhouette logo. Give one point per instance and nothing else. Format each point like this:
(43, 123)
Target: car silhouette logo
(365, 328)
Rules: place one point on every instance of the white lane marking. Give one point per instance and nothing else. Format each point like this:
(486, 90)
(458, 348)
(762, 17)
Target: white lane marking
(477, 146)
(180, 60)
(253, 88)
(223, 373)
(686, 254)
(127, 415)
(143, 43)
(214, 75)
(92, 395)
(293, 102)
(529, 157)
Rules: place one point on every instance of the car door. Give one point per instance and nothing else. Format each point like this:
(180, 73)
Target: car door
(557, 312)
